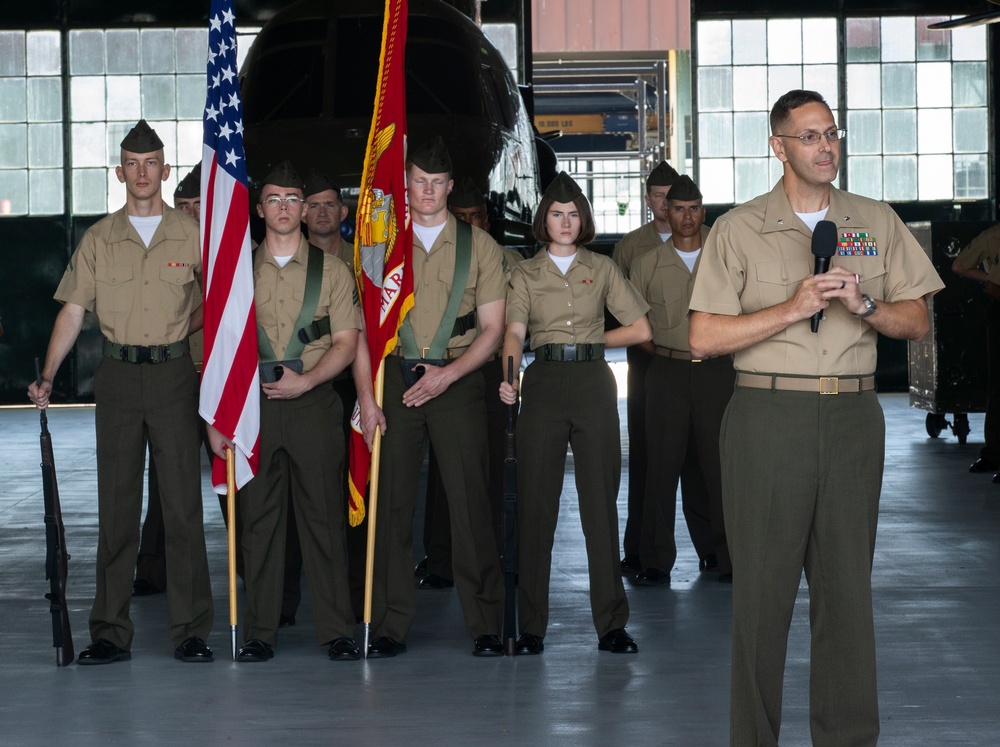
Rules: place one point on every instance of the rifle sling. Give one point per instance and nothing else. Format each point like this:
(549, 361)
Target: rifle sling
(310, 300)
(449, 323)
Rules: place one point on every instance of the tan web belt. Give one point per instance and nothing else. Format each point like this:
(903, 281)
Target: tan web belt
(815, 384)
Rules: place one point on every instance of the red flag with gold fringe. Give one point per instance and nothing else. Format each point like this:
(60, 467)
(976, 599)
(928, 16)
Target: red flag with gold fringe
(383, 241)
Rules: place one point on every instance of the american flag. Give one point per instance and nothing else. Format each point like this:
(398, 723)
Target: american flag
(229, 389)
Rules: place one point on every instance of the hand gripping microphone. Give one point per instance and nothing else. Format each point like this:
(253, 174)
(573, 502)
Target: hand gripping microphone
(824, 246)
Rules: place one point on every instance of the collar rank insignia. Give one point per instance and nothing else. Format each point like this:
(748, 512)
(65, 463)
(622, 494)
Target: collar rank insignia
(857, 245)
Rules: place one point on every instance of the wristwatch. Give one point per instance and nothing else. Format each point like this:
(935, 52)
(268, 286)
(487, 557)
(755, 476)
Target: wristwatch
(870, 307)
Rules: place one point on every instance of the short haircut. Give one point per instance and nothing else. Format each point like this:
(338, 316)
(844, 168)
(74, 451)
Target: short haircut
(782, 110)
(587, 228)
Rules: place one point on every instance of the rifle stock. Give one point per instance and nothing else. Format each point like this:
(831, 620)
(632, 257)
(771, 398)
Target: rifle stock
(56, 557)
(510, 527)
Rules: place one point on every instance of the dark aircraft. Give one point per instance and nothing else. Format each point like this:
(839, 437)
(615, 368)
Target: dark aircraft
(308, 87)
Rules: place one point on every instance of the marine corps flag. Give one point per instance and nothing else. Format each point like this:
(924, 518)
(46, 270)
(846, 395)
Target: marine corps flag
(383, 242)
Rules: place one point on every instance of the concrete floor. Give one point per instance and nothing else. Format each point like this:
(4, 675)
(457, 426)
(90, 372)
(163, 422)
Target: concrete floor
(936, 605)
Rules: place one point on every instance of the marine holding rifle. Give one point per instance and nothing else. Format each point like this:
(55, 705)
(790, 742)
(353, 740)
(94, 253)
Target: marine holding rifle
(137, 270)
(433, 389)
(307, 333)
(569, 396)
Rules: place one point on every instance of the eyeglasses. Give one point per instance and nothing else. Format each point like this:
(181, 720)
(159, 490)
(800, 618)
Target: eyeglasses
(811, 138)
(275, 202)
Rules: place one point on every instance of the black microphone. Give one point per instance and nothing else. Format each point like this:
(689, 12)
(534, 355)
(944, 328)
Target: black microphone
(824, 246)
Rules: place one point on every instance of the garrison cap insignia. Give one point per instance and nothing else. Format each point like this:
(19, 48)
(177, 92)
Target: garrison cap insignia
(664, 175)
(283, 175)
(432, 157)
(142, 139)
(563, 188)
(466, 195)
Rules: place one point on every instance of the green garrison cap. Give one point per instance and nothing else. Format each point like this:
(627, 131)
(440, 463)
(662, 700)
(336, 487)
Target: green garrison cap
(663, 175)
(190, 185)
(142, 139)
(684, 189)
(432, 157)
(317, 183)
(283, 175)
(563, 188)
(466, 195)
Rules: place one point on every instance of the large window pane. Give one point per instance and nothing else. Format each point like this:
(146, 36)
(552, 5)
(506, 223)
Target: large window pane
(715, 135)
(189, 139)
(933, 131)
(190, 96)
(933, 84)
(751, 131)
(45, 191)
(864, 129)
(781, 79)
(935, 176)
(751, 178)
(156, 48)
(749, 42)
(86, 52)
(899, 85)
(899, 131)
(716, 181)
(863, 37)
(750, 89)
(13, 192)
(970, 177)
(158, 94)
(714, 43)
(44, 53)
(13, 105)
(971, 127)
(969, 83)
(715, 89)
(820, 35)
(900, 182)
(124, 101)
(192, 48)
(116, 193)
(13, 146)
(12, 53)
(898, 39)
(123, 51)
(116, 132)
(89, 144)
(866, 176)
(969, 44)
(44, 99)
(932, 44)
(45, 145)
(823, 80)
(90, 190)
(86, 99)
(864, 87)
(784, 41)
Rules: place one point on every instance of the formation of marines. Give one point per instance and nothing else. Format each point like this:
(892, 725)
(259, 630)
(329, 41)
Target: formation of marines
(717, 328)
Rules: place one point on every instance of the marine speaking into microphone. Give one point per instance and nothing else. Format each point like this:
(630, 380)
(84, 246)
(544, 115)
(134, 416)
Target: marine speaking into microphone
(824, 246)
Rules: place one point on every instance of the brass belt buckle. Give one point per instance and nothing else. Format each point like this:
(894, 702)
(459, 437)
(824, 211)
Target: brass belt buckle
(829, 385)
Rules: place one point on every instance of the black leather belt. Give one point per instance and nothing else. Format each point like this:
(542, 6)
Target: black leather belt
(140, 354)
(571, 353)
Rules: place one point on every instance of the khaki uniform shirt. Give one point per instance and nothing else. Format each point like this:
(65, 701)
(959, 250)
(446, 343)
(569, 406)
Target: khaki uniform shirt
(278, 293)
(634, 244)
(141, 296)
(664, 281)
(570, 309)
(434, 273)
(984, 248)
(345, 252)
(758, 253)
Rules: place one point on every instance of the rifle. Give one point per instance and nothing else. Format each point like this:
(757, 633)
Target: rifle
(510, 527)
(56, 557)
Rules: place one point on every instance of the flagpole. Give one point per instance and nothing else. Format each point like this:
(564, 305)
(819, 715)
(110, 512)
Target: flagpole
(231, 531)
(372, 507)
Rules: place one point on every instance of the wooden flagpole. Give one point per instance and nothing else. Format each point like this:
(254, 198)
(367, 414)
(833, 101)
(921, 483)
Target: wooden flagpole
(231, 530)
(372, 507)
